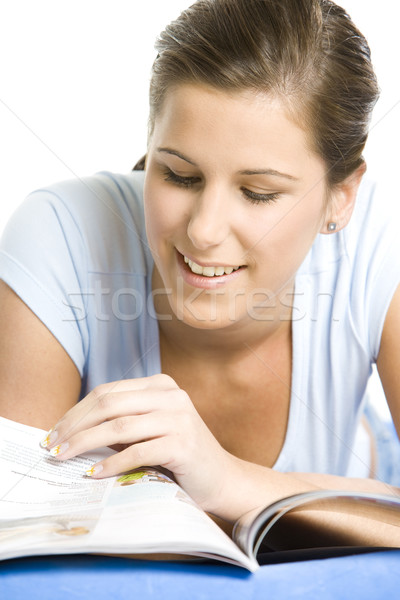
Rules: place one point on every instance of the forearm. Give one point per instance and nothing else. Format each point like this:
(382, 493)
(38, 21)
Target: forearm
(251, 486)
(247, 486)
(330, 523)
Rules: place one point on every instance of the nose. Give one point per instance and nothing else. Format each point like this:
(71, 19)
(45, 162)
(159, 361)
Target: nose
(209, 222)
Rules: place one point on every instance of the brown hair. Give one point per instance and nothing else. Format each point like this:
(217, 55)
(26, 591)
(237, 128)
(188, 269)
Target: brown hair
(307, 52)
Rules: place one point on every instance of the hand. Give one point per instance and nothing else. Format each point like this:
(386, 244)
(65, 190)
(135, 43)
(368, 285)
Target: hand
(154, 423)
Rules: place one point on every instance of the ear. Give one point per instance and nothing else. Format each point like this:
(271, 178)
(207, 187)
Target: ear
(342, 201)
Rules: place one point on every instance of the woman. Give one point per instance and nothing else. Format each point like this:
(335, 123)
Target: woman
(225, 326)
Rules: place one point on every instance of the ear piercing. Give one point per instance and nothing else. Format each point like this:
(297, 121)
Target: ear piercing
(332, 226)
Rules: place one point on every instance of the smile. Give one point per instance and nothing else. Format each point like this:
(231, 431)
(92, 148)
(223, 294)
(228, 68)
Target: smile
(208, 271)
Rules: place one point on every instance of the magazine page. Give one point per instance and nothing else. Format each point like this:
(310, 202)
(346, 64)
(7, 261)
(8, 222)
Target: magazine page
(152, 515)
(49, 506)
(33, 483)
(254, 528)
(44, 502)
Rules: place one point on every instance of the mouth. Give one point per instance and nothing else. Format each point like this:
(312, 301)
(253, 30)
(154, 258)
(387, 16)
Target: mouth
(209, 270)
(207, 276)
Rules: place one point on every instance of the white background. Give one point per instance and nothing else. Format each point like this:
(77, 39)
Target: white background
(74, 78)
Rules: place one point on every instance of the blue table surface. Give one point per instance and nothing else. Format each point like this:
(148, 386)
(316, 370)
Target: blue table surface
(367, 576)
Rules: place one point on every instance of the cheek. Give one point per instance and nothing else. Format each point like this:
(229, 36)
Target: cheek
(153, 205)
(153, 218)
(303, 220)
(161, 214)
(286, 239)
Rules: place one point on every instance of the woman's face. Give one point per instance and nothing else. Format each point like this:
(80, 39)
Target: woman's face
(234, 198)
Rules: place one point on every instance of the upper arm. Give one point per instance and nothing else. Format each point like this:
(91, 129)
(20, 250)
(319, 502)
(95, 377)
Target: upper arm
(38, 380)
(388, 362)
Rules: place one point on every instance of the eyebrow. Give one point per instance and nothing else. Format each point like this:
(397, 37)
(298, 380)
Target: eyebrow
(268, 172)
(178, 154)
(271, 172)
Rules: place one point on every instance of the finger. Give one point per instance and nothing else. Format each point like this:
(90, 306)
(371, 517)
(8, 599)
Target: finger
(107, 406)
(156, 382)
(148, 453)
(123, 430)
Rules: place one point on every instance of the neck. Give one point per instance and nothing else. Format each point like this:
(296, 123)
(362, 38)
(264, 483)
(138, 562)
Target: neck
(219, 344)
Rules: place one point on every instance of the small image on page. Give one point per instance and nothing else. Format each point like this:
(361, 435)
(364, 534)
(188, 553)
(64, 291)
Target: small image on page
(46, 534)
(145, 485)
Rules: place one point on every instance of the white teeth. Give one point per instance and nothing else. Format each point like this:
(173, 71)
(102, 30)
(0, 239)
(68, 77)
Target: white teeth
(196, 268)
(209, 271)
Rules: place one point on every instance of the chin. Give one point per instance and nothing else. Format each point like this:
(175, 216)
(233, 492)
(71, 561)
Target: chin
(215, 325)
(203, 320)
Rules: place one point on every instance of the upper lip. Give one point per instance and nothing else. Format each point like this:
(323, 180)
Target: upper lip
(209, 264)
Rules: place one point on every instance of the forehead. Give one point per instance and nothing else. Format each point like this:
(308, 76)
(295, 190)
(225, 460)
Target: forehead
(238, 127)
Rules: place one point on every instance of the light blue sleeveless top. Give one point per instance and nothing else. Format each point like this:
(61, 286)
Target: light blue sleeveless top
(76, 253)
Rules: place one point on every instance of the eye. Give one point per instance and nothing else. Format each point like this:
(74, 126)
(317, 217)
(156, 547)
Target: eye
(258, 198)
(179, 180)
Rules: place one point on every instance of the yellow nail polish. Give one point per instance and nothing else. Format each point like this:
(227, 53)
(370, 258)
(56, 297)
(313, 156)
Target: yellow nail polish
(49, 439)
(94, 470)
(57, 450)
(46, 442)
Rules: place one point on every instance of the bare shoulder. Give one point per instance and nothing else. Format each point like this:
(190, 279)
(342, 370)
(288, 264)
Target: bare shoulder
(39, 381)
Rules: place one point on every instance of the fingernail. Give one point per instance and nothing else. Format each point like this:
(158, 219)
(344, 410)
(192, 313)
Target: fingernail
(49, 439)
(57, 450)
(95, 470)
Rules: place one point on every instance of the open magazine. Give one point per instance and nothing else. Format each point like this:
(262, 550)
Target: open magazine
(51, 507)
